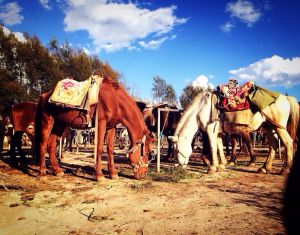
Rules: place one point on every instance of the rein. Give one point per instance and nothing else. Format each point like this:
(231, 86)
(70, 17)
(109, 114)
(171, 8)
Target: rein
(141, 162)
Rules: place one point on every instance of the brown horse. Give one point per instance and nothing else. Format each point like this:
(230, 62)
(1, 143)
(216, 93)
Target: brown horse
(114, 106)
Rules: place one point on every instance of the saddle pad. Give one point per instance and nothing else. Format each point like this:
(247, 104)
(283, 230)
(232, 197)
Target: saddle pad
(94, 90)
(70, 92)
(262, 97)
(242, 117)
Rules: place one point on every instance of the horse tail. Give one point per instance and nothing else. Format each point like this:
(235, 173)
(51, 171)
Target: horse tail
(293, 121)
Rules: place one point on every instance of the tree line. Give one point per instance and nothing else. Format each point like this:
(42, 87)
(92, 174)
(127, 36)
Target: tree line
(28, 68)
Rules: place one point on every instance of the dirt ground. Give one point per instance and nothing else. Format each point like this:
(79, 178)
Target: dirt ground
(235, 201)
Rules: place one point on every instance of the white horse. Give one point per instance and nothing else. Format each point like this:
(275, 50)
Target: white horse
(282, 116)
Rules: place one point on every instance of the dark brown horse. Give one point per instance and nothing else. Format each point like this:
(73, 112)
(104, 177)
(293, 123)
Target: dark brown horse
(235, 138)
(114, 106)
(168, 122)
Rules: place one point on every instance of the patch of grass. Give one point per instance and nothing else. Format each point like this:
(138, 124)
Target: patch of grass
(173, 175)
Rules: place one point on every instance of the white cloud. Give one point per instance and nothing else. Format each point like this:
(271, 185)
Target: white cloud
(275, 71)
(18, 35)
(10, 14)
(227, 27)
(202, 81)
(113, 25)
(153, 44)
(243, 11)
(45, 4)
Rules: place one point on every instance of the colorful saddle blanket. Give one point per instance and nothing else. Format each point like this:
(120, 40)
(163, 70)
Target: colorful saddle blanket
(234, 99)
(73, 94)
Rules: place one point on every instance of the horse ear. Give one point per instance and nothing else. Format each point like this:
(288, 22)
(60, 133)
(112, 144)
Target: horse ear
(173, 138)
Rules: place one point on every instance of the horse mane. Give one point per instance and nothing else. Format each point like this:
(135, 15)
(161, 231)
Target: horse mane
(198, 100)
(133, 104)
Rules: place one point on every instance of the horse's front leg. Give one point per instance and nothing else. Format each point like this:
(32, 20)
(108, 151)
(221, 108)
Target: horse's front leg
(110, 153)
(212, 136)
(221, 153)
(100, 142)
(52, 142)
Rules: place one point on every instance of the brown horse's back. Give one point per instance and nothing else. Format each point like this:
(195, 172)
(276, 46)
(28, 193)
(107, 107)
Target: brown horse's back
(23, 115)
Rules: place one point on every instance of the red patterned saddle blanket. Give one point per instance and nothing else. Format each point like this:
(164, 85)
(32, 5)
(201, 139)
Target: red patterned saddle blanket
(234, 99)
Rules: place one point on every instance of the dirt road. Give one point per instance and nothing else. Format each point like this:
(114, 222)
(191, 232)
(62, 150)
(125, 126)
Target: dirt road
(236, 201)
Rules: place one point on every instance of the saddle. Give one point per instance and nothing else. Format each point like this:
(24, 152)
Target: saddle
(78, 95)
(234, 99)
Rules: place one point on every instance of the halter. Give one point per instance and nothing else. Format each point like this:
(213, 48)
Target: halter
(180, 151)
(141, 162)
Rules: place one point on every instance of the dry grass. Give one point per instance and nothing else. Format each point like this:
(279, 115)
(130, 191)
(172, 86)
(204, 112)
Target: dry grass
(173, 175)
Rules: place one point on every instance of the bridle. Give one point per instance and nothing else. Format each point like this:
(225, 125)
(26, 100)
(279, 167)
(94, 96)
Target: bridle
(140, 163)
(180, 151)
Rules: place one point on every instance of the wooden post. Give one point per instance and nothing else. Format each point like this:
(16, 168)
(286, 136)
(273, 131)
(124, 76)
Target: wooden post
(96, 135)
(158, 142)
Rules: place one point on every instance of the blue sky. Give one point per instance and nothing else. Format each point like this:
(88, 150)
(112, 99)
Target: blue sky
(199, 42)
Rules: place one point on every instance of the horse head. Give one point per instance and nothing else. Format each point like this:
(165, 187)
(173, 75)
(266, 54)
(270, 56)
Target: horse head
(138, 156)
(182, 149)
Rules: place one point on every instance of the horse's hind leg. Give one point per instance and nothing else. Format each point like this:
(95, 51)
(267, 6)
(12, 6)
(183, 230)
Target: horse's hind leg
(288, 143)
(52, 142)
(233, 156)
(249, 145)
(110, 152)
(47, 124)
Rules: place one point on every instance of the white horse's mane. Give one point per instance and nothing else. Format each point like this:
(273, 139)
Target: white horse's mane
(197, 101)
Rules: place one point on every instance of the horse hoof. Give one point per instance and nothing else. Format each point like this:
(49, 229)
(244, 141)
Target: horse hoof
(285, 171)
(262, 170)
(100, 178)
(114, 176)
(221, 168)
(212, 170)
(231, 164)
(60, 174)
(43, 178)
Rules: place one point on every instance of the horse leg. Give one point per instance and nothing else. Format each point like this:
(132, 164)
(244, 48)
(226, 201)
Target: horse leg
(212, 136)
(19, 136)
(110, 153)
(47, 125)
(221, 153)
(288, 143)
(12, 150)
(101, 134)
(250, 148)
(273, 146)
(52, 142)
(233, 156)
(170, 150)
